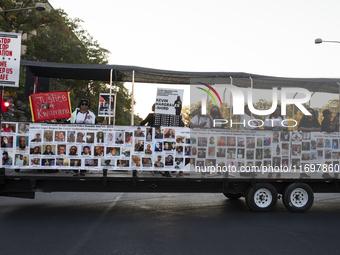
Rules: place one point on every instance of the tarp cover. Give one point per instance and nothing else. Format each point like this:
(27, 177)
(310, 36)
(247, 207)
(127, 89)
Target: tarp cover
(149, 75)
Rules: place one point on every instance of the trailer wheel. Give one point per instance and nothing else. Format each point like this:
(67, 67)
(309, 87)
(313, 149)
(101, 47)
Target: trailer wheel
(298, 197)
(233, 196)
(262, 197)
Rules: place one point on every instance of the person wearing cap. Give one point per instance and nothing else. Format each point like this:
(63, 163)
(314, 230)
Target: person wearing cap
(82, 114)
(327, 124)
(37, 138)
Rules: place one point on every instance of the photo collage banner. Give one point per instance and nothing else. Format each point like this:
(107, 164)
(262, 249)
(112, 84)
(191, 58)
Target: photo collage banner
(97, 147)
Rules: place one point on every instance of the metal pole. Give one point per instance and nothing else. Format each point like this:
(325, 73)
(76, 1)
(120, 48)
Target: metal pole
(339, 95)
(110, 96)
(339, 103)
(252, 86)
(231, 103)
(132, 97)
(1, 108)
(224, 102)
(115, 99)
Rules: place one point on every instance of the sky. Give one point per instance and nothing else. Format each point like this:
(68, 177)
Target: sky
(274, 38)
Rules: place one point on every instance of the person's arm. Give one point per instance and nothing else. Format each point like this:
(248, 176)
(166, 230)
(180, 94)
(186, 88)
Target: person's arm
(334, 123)
(211, 121)
(311, 129)
(304, 129)
(314, 127)
(104, 122)
(194, 122)
(303, 124)
(147, 120)
(181, 122)
(327, 126)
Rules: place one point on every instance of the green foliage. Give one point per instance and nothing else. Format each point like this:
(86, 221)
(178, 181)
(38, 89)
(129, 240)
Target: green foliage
(53, 37)
(23, 21)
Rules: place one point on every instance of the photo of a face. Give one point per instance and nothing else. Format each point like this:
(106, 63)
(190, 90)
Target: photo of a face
(6, 141)
(147, 162)
(22, 142)
(221, 152)
(201, 153)
(91, 162)
(110, 138)
(8, 128)
(75, 162)
(71, 136)
(231, 141)
(119, 137)
(48, 136)
(240, 141)
(21, 160)
(59, 136)
(90, 137)
(49, 149)
(100, 137)
(108, 162)
(80, 137)
(158, 146)
(73, 150)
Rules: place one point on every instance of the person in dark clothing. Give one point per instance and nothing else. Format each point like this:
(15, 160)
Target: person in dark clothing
(216, 114)
(309, 122)
(150, 119)
(327, 124)
(336, 121)
(178, 105)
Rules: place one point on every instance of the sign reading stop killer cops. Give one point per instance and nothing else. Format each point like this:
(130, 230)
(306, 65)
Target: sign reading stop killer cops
(10, 48)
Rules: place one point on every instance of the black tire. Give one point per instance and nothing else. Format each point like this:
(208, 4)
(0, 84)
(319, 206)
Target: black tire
(233, 196)
(17, 170)
(298, 197)
(262, 197)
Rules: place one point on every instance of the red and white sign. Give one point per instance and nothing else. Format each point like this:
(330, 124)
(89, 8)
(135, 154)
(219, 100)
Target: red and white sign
(50, 105)
(10, 50)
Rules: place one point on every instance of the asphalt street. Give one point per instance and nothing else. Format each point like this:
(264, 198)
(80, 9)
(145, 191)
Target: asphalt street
(144, 223)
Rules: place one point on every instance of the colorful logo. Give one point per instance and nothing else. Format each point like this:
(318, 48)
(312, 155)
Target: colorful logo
(209, 93)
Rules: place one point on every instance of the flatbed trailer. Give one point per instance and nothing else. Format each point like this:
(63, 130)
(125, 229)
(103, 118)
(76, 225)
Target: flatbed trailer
(261, 194)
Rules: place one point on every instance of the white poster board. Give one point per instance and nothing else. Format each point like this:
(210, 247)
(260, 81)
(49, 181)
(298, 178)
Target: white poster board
(10, 50)
(169, 101)
(103, 107)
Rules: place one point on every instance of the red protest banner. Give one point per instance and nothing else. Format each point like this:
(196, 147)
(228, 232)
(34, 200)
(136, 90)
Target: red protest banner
(50, 105)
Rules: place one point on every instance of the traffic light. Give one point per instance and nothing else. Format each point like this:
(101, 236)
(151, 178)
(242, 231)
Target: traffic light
(4, 105)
